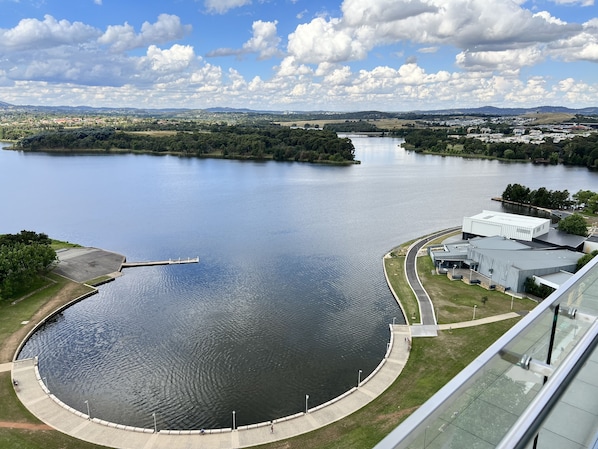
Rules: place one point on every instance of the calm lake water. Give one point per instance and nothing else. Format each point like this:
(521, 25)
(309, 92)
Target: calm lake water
(289, 298)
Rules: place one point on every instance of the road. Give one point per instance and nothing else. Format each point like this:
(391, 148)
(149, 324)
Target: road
(426, 309)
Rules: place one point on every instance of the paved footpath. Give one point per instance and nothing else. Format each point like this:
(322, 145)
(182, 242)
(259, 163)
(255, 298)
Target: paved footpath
(490, 319)
(5, 367)
(34, 395)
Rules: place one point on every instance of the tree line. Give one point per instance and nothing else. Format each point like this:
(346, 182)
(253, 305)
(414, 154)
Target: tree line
(583, 199)
(578, 151)
(352, 127)
(220, 140)
(23, 257)
(541, 197)
(574, 224)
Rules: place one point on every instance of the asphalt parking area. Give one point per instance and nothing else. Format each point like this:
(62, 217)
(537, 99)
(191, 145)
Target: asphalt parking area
(84, 264)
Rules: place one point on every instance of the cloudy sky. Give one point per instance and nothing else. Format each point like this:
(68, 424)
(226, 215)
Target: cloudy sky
(337, 55)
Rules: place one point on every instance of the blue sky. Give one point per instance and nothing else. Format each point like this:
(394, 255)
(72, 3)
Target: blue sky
(390, 55)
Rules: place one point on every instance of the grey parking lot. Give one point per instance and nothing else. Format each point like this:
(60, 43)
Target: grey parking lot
(83, 264)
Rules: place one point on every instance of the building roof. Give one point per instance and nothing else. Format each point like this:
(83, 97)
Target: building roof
(498, 242)
(554, 280)
(536, 259)
(503, 218)
(554, 237)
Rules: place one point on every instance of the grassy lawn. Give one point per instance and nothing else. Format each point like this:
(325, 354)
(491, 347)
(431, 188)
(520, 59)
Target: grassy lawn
(432, 362)
(454, 300)
(13, 312)
(58, 290)
(59, 244)
(395, 269)
(12, 315)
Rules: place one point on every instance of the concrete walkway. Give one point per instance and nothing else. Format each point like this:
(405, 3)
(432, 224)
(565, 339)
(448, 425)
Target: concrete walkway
(34, 395)
(487, 320)
(5, 367)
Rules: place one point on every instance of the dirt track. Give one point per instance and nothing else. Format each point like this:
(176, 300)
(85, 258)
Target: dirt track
(24, 425)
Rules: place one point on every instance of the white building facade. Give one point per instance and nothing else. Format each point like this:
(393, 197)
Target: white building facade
(511, 226)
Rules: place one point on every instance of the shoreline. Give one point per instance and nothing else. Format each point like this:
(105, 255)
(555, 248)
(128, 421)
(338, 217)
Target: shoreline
(117, 151)
(242, 436)
(378, 381)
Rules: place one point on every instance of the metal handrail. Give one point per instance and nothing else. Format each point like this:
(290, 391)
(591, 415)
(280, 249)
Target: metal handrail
(408, 430)
(532, 419)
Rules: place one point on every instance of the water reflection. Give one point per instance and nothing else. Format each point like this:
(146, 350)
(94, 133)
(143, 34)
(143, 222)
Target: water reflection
(289, 297)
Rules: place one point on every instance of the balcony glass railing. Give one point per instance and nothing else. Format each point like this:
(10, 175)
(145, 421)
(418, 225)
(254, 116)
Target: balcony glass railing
(536, 387)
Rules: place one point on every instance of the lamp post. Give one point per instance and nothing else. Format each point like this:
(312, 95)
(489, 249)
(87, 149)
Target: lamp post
(46, 382)
(234, 424)
(88, 413)
(474, 307)
(394, 318)
(306, 399)
(512, 296)
(358, 378)
(155, 424)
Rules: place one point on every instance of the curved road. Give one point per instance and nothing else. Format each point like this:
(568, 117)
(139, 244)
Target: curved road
(426, 308)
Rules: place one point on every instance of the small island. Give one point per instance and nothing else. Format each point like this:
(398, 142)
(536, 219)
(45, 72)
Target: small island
(217, 141)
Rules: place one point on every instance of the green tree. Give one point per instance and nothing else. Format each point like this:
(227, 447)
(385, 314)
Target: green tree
(517, 193)
(582, 197)
(585, 259)
(574, 224)
(541, 291)
(592, 204)
(23, 256)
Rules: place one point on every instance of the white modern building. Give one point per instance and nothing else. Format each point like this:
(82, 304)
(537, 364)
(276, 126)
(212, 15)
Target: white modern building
(512, 226)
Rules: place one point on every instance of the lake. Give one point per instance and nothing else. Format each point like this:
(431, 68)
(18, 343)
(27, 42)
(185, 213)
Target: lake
(289, 297)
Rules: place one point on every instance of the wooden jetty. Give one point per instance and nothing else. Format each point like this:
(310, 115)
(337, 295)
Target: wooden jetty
(160, 262)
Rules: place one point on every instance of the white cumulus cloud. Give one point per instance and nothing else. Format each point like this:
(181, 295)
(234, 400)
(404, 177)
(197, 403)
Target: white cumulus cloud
(123, 37)
(222, 6)
(479, 25)
(264, 42)
(174, 59)
(37, 34)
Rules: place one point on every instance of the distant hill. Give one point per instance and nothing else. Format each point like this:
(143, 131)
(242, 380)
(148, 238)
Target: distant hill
(491, 110)
(363, 115)
(238, 110)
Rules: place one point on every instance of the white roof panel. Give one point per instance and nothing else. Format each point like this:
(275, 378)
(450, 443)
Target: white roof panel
(510, 219)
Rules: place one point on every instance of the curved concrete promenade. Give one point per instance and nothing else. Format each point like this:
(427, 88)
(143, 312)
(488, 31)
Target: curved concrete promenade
(44, 405)
(35, 396)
